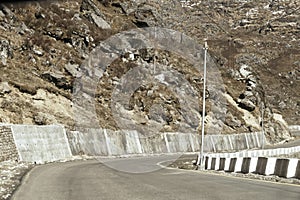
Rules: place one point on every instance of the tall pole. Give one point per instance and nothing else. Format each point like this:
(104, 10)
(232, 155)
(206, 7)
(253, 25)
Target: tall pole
(262, 126)
(203, 109)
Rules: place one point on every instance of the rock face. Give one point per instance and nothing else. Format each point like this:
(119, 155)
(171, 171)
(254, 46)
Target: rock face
(44, 47)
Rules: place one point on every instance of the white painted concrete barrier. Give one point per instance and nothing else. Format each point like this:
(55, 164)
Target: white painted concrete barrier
(288, 168)
(259, 153)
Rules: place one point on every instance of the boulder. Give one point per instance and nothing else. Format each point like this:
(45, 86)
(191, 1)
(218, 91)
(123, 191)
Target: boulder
(4, 88)
(100, 22)
(5, 51)
(58, 78)
(72, 69)
(246, 104)
(44, 119)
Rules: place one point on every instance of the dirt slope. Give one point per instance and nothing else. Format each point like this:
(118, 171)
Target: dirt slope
(254, 45)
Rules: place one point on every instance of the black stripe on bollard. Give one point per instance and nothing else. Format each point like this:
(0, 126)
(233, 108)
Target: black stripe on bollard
(213, 164)
(232, 164)
(206, 162)
(298, 170)
(246, 165)
(261, 165)
(281, 167)
(222, 163)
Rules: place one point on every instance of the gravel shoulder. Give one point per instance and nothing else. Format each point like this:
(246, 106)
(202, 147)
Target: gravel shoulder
(11, 174)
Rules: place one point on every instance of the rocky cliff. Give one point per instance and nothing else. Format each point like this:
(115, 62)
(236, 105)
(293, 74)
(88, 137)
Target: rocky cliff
(253, 47)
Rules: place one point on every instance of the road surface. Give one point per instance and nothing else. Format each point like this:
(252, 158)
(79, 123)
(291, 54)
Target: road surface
(88, 180)
(286, 145)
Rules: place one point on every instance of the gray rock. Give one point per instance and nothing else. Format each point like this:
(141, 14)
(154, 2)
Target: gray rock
(6, 10)
(246, 104)
(4, 88)
(44, 119)
(38, 51)
(5, 51)
(100, 22)
(232, 121)
(244, 71)
(88, 5)
(58, 78)
(73, 70)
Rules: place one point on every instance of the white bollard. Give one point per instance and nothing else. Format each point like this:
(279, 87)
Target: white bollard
(238, 165)
(209, 163)
(291, 172)
(270, 168)
(227, 164)
(217, 163)
(253, 164)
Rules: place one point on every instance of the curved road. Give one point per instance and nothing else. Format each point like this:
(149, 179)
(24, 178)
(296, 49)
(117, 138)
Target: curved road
(88, 180)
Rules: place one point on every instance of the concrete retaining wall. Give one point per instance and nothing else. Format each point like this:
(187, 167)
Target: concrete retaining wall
(41, 143)
(295, 130)
(91, 143)
(50, 143)
(8, 150)
(216, 143)
(103, 142)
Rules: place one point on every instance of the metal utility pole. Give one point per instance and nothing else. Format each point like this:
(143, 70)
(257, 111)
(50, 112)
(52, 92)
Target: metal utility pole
(201, 156)
(262, 126)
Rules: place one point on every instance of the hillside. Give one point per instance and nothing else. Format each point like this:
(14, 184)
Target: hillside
(253, 57)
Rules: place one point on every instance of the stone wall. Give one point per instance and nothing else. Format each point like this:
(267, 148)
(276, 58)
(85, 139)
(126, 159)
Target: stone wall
(8, 150)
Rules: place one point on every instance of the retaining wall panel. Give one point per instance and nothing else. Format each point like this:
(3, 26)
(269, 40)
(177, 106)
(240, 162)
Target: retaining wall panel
(132, 144)
(153, 144)
(41, 143)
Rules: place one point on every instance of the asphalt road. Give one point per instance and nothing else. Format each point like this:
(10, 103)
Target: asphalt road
(87, 180)
(286, 145)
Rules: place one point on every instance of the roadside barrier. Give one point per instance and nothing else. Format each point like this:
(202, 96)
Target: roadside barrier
(287, 168)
